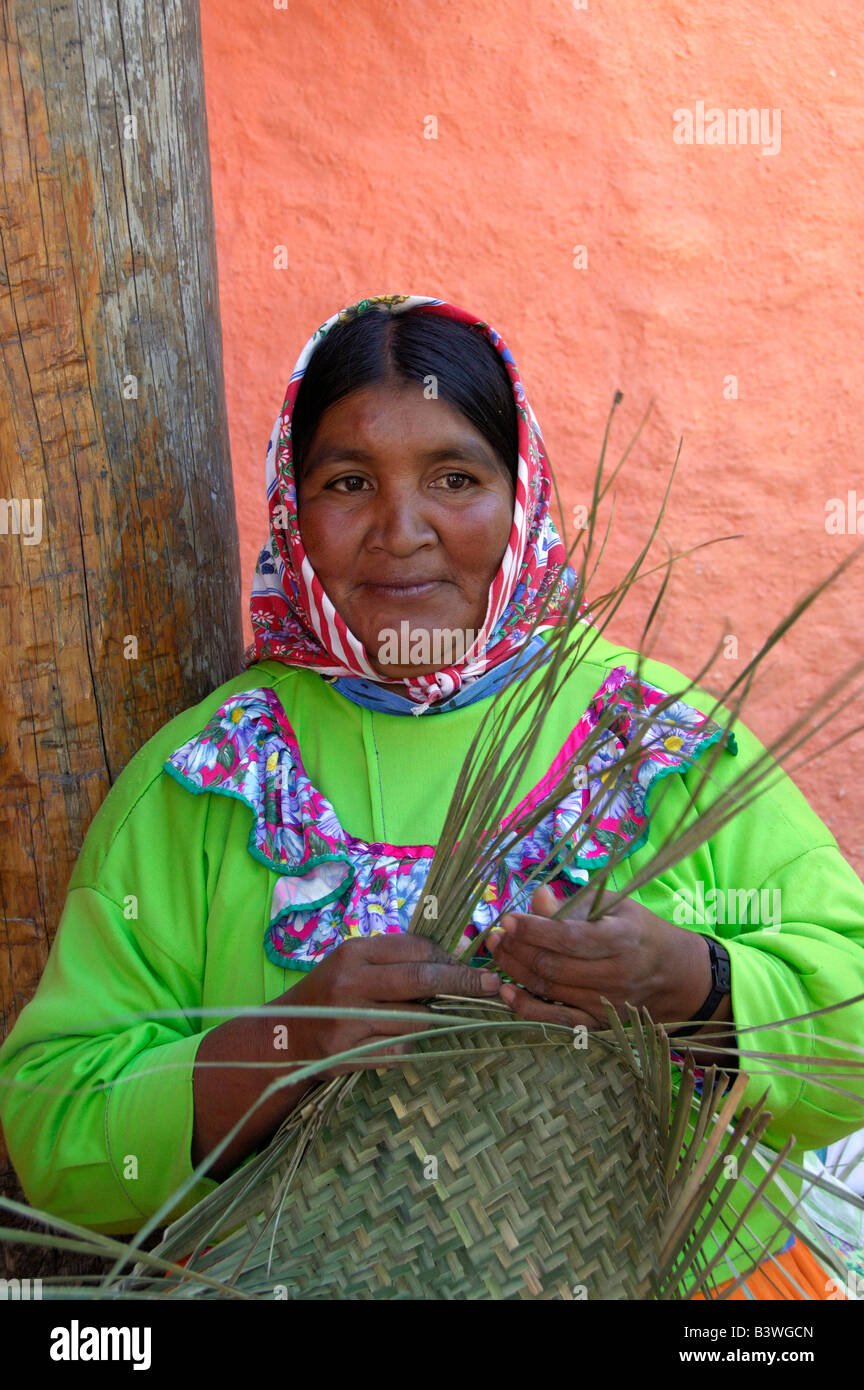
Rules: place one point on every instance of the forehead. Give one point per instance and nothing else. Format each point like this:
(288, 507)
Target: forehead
(382, 416)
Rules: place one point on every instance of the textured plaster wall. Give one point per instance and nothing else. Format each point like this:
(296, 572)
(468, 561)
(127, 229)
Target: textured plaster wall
(702, 262)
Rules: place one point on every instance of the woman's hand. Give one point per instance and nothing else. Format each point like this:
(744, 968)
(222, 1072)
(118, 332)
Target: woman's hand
(389, 971)
(379, 972)
(630, 956)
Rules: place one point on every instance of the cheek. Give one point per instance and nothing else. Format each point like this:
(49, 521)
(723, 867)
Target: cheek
(324, 537)
(481, 535)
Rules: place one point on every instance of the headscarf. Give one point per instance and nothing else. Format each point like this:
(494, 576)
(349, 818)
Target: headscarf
(294, 620)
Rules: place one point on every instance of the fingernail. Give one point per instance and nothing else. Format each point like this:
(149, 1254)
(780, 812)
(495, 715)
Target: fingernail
(507, 923)
(508, 993)
(489, 980)
(494, 937)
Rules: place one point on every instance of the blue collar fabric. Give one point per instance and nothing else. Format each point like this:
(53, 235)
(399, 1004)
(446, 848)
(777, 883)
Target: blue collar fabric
(372, 696)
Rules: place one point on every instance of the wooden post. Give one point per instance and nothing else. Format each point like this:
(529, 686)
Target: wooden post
(118, 537)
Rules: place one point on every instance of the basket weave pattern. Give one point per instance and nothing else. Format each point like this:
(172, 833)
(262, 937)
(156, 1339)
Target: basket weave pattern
(545, 1178)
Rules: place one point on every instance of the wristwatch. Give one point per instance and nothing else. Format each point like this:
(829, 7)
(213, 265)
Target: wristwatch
(721, 983)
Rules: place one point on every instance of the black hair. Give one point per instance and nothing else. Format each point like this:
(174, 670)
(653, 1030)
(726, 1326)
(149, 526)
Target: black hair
(377, 347)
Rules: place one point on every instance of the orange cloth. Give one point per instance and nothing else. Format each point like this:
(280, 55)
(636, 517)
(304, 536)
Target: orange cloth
(773, 1278)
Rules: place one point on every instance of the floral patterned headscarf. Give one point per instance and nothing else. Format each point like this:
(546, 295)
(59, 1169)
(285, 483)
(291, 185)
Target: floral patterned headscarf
(294, 620)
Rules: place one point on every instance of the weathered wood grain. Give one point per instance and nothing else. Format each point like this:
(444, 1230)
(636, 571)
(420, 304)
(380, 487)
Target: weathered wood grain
(107, 273)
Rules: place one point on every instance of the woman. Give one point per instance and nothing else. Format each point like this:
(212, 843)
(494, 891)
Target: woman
(408, 494)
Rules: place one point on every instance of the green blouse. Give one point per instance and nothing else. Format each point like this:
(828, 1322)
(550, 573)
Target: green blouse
(166, 911)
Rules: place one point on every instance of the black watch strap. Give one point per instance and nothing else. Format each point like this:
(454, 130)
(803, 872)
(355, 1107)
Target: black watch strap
(721, 983)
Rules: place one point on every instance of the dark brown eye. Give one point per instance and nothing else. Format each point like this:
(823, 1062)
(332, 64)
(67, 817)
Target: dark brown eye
(351, 478)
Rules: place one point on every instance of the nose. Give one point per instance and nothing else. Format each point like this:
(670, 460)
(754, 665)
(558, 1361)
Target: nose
(399, 523)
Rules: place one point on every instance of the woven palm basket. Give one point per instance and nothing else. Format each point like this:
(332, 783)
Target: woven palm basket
(514, 1165)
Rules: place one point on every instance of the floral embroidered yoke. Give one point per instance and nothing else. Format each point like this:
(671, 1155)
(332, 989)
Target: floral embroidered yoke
(333, 886)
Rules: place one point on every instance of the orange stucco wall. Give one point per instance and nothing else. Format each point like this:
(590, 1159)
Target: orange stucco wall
(702, 262)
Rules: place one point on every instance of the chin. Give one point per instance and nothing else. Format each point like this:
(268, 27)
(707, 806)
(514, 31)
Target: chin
(418, 650)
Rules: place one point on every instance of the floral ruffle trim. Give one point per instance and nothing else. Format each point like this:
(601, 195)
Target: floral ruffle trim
(670, 740)
(333, 885)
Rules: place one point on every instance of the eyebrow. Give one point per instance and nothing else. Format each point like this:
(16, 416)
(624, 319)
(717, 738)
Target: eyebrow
(470, 453)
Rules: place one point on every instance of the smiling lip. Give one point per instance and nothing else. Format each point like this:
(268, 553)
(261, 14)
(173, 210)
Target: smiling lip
(402, 590)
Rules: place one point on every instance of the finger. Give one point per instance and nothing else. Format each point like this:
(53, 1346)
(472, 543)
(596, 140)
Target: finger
(550, 975)
(412, 967)
(527, 1006)
(544, 902)
(569, 936)
(394, 948)
(419, 979)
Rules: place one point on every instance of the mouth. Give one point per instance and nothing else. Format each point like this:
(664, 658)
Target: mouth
(403, 590)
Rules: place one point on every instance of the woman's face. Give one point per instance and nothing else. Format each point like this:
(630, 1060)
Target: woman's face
(405, 510)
